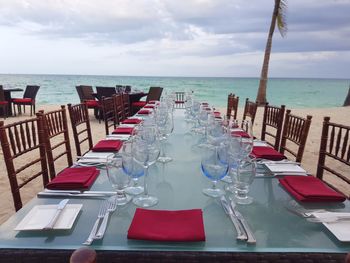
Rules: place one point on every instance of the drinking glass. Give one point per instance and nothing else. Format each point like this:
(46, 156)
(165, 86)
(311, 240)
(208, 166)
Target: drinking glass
(244, 177)
(145, 154)
(247, 143)
(165, 124)
(214, 166)
(132, 168)
(118, 179)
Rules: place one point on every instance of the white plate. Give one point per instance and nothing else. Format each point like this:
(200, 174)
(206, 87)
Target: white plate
(127, 125)
(261, 143)
(285, 168)
(340, 229)
(95, 157)
(40, 216)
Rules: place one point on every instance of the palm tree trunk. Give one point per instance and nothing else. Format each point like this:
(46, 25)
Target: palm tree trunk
(261, 96)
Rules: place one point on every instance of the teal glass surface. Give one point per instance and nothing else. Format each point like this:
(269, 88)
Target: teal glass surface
(178, 185)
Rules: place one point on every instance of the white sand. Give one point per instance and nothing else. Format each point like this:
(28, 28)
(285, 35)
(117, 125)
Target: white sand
(338, 115)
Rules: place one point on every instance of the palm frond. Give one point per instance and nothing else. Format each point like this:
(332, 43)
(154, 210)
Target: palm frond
(282, 18)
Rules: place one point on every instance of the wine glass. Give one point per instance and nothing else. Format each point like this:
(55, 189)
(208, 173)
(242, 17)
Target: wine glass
(244, 177)
(247, 142)
(214, 166)
(118, 178)
(146, 154)
(165, 122)
(132, 168)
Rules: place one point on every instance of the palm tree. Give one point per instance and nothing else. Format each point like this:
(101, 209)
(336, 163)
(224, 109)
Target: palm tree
(278, 17)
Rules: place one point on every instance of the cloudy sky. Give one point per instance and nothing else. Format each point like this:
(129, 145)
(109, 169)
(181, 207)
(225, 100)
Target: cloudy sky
(173, 38)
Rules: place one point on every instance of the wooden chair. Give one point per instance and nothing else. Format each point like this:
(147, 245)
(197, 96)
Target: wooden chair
(79, 117)
(83, 255)
(250, 109)
(28, 99)
(3, 102)
(232, 105)
(335, 145)
(126, 105)
(23, 148)
(179, 100)
(273, 120)
(55, 135)
(295, 131)
(118, 108)
(154, 93)
(108, 113)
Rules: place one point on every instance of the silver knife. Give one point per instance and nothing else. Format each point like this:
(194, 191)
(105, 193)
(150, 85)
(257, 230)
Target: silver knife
(251, 238)
(92, 194)
(241, 235)
(57, 214)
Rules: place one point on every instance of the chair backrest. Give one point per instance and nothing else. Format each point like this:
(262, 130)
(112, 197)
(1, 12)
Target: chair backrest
(2, 94)
(56, 137)
(85, 93)
(295, 130)
(23, 148)
(232, 105)
(79, 117)
(31, 91)
(273, 120)
(179, 99)
(108, 113)
(250, 110)
(126, 105)
(335, 144)
(118, 108)
(105, 92)
(154, 93)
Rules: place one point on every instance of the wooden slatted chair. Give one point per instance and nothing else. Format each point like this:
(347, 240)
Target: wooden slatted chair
(108, 113)
(79, 117)
(126, 105)
(272, 124)
(118, 108)
(23, 148)
(56, 137)
(3, 103)
(154, 93)
(232, 105)
(295, 131)
(335, 146)
(28, 99)
(250, 109)
(179, 100)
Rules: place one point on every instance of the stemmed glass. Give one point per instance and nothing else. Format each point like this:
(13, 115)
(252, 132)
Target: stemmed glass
(145, 152)
(214, 166)
(132, 168)
(247, 143)
(244, 177)
(165, 123)
(118, 179)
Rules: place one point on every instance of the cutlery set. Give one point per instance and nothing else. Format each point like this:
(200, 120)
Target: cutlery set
(243, 230)
(319, 215)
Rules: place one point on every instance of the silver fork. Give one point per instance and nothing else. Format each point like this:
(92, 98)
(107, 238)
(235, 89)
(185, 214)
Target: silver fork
(101, 214)
(112, 206)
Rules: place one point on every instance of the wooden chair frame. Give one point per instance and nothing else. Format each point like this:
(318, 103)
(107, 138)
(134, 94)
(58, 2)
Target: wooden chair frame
(118, 108)
(295, 130)
(273, 118)
(335, 144)
(126, 105)
(108, 113)
(232, 105)
(5, 104)
(250, 109)
(54, 124)
(17, 139)
(79, 116)
(180, 100)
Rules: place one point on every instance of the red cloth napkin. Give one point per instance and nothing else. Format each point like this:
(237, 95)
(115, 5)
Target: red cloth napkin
(131, 121)
(123, 130)
(310, 189)
(163, 225)
(241, 133)
(107, 146)
(266, 152)
(149, 107)
(74, 179)
(144, 112)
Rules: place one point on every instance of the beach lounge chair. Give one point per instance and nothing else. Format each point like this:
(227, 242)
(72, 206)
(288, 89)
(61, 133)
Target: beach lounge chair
(79, 117)
(250, 109)
(335, 146)
(3, 103)
(272, 124)
(232, 105)
(27, 100)
(154, 93)
(294, 135)
(23, 149)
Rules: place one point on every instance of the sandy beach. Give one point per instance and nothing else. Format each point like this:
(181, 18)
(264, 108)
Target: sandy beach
(310, 159)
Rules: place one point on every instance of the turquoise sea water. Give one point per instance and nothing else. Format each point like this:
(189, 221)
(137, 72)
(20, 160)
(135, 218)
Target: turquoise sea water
(294, 93)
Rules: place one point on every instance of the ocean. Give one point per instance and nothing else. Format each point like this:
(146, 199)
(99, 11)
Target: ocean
(294, 93)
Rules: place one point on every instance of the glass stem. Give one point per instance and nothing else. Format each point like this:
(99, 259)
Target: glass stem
(162, 153)
(145, 188)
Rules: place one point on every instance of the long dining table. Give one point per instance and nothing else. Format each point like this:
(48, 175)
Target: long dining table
(281, 235)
